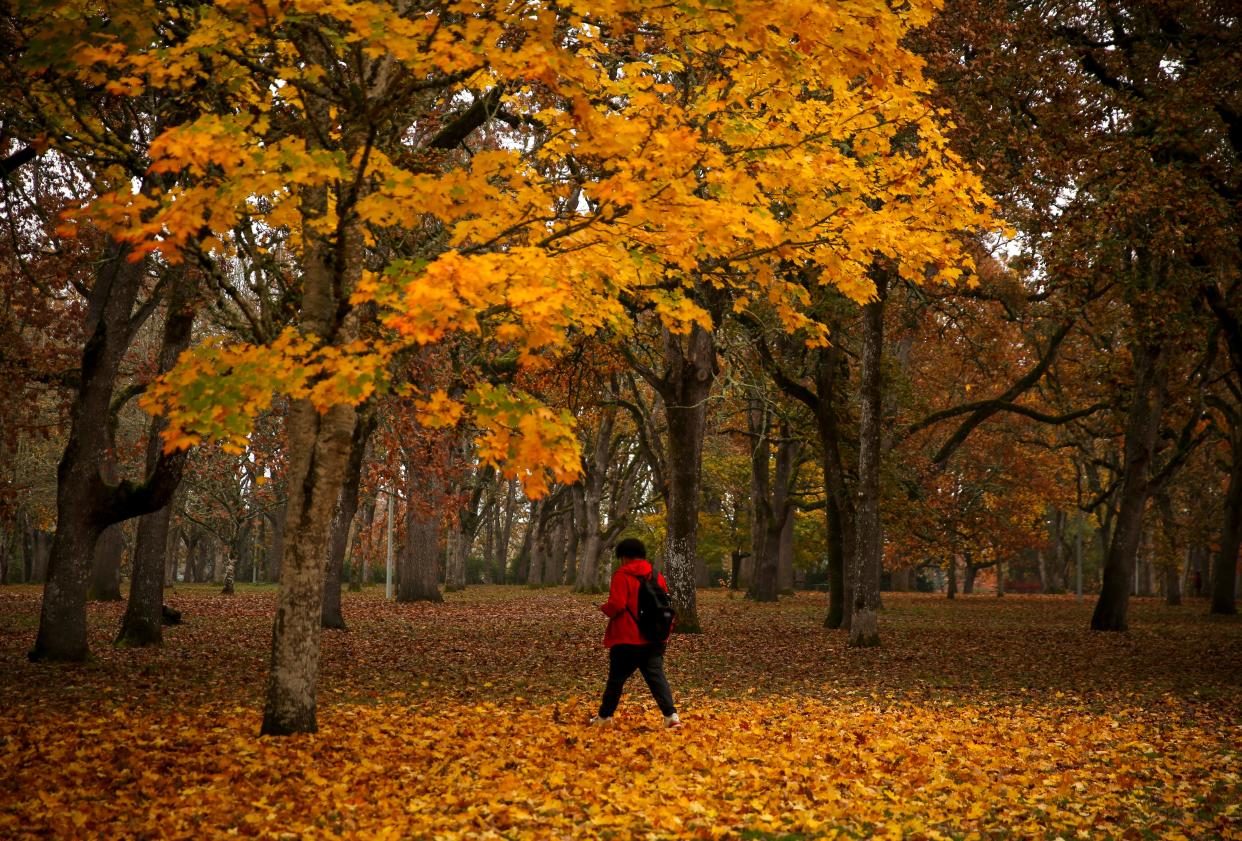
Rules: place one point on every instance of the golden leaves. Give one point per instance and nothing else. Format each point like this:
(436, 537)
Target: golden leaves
(728, 139)
(990, 718)
(511, 770)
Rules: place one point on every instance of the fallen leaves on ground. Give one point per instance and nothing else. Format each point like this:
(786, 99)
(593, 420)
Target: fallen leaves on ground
(987, 719)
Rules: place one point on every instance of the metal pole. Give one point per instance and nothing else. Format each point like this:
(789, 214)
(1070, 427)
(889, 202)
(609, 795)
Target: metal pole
(392, 508)
(1078, 560)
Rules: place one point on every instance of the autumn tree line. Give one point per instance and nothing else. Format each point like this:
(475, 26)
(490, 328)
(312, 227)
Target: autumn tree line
(849, 287)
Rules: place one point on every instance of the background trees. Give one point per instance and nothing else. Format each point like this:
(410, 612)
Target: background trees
(504, 283)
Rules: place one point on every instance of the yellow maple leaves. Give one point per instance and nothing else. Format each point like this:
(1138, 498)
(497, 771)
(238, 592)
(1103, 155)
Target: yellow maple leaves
(774, 766)
(635, 148)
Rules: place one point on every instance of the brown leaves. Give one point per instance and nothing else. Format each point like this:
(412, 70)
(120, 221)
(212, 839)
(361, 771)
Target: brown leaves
(468, 720)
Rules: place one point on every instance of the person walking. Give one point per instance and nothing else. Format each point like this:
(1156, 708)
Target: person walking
(628, 649)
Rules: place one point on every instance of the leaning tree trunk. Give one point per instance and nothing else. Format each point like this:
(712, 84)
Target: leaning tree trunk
(342, 520)
(1142, 427)
(85, 503)
(143, 624)
(1225, 564)
(864, 622)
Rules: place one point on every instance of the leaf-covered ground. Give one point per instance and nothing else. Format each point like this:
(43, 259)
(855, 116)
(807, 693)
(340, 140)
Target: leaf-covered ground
(980, 718)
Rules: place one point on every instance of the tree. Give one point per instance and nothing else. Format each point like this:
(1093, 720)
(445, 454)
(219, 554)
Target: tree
(357, 137)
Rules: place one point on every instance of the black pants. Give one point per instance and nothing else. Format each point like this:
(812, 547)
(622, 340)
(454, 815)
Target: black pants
(648, 659)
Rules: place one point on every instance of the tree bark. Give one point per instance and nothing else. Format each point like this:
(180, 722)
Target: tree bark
(588, 501)
(418, 577)
(143, 623)
(534, 572)
(1142, 427)
(85, 503)
(864, 622)
(785, 558)
(342, 520)
(230, 572)
(504, 533)
(105, 583)
(1225, 563)
(276, 548)
(318, 449)
(691, 371)
(757, 583)
(358, 562)
(840, 510)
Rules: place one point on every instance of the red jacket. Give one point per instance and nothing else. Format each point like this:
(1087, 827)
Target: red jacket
(622, 604)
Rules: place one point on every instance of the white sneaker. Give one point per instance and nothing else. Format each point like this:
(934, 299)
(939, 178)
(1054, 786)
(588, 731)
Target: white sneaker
(672, 722)
(601, 722)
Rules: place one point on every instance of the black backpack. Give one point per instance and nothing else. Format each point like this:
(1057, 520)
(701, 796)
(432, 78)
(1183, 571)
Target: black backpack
(655, 615)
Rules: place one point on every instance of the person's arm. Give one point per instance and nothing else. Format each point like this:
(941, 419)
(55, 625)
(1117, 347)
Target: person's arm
(660, 580)
(617, 596)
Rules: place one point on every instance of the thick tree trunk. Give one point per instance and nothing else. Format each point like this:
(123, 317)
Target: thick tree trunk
(40, 556)
(573, 546)
(968, 581)
(534, 572)
(865, 619)
(588, 503)
(504, 533)
(1172, 586)
(85, 503)
(785, 559)
(418, 577)
(230, 572)
(318, 450)
(358, 561)
(318, 447)
(840, 511)
(1142, 427)
(779, 520)
(276, 548)
(758, 585)
(342, 520)
(691, 371)
(553, 555)
(105, 583)
(951, 586)
(836, 567)
(142, 624)
(1225, 564)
